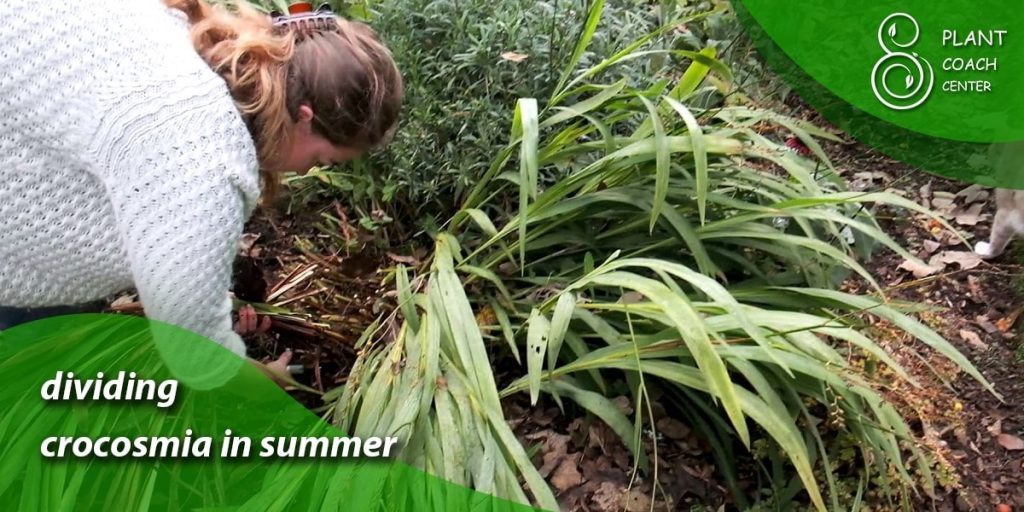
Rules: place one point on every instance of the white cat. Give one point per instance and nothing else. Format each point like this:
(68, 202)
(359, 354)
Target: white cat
(1008, 222)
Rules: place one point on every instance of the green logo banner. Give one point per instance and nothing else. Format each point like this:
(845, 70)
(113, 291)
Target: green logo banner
(105, 412)
(935, 84)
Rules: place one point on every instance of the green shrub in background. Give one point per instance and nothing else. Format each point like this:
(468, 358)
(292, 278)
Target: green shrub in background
(465, 63)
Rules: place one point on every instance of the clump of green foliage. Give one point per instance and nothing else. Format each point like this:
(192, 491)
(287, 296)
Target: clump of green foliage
(655, 239)
(640, 228)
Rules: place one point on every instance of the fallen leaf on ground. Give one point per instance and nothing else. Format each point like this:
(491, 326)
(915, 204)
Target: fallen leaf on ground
(919, 270)
(948, 238)
(943, 203)
(973, 339)
(961, 436)
(514, 57)
(969, 217)
(636, 501)
(1012, 443)
(986, 324)
(408, 260)
(607, 497)
(975, 287)
(875, 175)
(673, 429)
(930, 246)
(866, 179)
(1006, 323)
(973, 193)
(996, 428)
(566, 476)
(966, 259)
(926, 194)
(608, 443)
(555, 449)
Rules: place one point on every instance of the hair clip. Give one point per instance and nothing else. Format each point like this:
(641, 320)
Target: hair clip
(302, 16)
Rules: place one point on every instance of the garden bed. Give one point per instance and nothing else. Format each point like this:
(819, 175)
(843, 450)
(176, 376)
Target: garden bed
(334, 297)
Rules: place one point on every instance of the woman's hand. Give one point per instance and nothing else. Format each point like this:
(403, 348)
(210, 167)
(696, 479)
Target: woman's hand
(249, 323)
(276, 370)
(280, 365)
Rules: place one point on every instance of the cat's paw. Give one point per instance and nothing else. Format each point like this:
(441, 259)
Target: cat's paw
(983, 249)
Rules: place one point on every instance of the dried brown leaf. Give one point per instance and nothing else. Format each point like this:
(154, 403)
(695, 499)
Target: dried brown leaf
(948, 238)
(969, 217)
(1006, 323)
(636, 501)
(567, 475)
(943, 205)
(996, 428)
(608, 497)
(967, 260)
(986, 324)
(919, 270)
(555, 449)
(408, 260)
(930, 246)
(926, 194)
(973, 193)
(514, 57)
(673, 429)
(973, 339)
(1010, 442)
(974, 286)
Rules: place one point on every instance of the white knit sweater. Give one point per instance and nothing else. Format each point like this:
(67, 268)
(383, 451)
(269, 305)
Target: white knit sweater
(123, 163)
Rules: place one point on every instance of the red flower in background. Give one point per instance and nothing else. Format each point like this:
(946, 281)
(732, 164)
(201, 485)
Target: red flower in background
(794, 143)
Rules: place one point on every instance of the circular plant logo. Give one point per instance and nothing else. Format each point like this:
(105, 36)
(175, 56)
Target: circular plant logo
(901, 80)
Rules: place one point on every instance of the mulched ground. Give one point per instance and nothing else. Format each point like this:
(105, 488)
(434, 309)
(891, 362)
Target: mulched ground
(973, 431)
(977, 433)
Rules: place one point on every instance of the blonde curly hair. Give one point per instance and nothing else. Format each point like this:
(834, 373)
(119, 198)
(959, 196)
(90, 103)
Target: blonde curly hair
(341, 70)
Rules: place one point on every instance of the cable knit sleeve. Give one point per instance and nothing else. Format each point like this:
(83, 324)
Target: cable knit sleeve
(182, 189)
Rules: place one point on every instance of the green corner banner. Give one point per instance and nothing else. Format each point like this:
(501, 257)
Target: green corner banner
(934, 84)
(110, 412)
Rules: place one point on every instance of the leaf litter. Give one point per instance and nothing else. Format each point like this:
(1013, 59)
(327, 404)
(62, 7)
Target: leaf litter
(975, 304)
